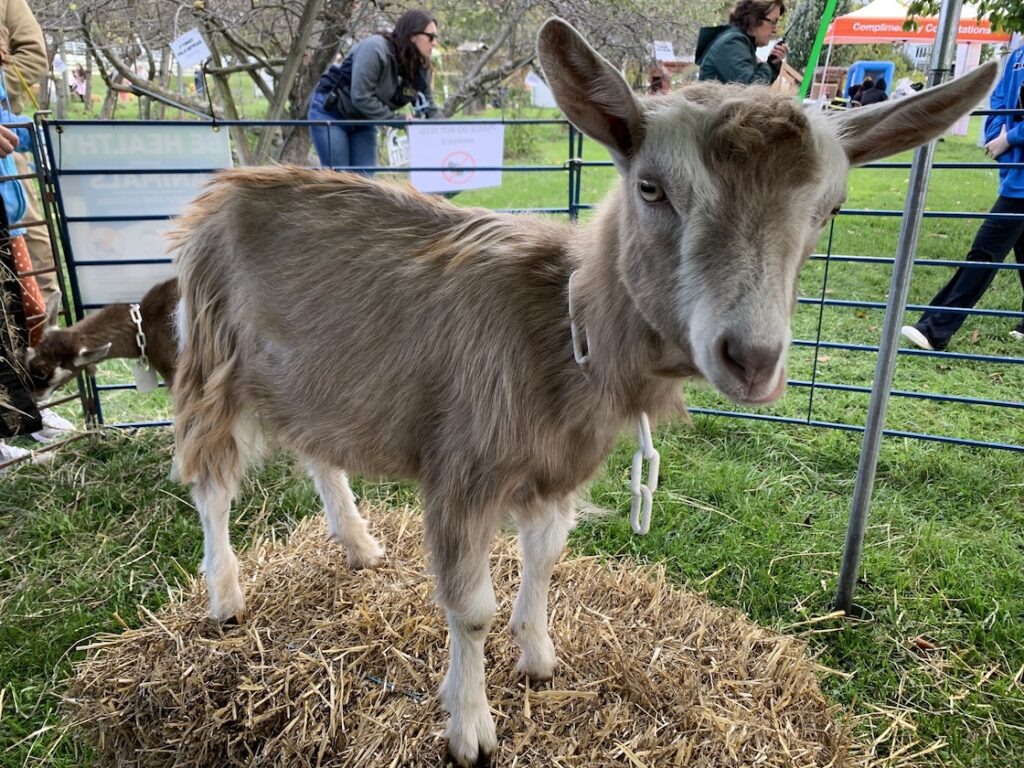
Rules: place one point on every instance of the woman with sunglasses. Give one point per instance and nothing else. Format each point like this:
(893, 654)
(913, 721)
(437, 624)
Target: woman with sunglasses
(727, 53)
(381, 74)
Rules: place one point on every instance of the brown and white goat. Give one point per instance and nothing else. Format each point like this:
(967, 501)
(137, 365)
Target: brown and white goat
(106, 334)
(369, 327)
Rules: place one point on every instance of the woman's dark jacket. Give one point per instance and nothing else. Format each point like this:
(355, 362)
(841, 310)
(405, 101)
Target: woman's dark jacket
(367, 85)
(727, 54)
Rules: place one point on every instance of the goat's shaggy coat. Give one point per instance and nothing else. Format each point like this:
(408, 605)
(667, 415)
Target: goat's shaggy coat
(371, 328)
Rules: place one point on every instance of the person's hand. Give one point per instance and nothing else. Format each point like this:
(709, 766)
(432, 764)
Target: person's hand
(779, 51)
(998, 145)
(8, 141)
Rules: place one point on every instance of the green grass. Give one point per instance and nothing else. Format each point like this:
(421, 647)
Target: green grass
(753, 514)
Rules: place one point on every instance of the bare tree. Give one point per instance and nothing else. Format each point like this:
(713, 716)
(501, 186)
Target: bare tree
(283, 47)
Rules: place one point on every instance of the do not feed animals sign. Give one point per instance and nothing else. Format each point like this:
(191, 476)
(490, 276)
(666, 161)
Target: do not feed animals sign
(456, 154)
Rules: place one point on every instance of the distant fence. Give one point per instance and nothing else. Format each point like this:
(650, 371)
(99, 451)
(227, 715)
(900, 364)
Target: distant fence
(119, 184)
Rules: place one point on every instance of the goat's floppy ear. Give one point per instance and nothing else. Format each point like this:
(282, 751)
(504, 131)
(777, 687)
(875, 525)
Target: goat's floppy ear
(589, 90)
(871, 133)
(91, 356)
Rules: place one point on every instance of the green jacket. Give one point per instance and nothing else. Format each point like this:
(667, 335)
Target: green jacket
(727, 54)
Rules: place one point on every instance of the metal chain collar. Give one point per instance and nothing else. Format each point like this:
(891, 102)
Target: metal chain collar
(140, 336)
(643, 494)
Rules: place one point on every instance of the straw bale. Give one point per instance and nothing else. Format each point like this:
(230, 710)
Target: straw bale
(339, 668)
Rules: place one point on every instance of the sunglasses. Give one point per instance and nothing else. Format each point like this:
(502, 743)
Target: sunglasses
(431, 35)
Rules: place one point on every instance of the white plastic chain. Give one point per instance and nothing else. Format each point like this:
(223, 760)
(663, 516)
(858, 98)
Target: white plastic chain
(643, 495)
(140, 336)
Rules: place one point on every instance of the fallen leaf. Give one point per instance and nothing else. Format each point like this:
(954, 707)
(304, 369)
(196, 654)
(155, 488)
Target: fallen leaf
(922, 643)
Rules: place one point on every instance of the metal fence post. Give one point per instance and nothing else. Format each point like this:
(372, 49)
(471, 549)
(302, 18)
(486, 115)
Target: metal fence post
(574, 172)
(899, 288)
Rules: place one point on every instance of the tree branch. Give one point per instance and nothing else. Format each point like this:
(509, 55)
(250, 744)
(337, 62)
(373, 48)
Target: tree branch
(102, 52)
(481, 84)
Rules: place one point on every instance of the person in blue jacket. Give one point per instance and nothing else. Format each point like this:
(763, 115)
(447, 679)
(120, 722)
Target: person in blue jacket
(728, 53)
(381, 74)
(1004, 136)
(15, 204)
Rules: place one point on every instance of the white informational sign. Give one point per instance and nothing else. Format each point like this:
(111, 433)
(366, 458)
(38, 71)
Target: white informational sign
(663, 50)
(115, 191)
(968, 56)
(541, 96)
(460, 150)
(190, 49)
(58, 65)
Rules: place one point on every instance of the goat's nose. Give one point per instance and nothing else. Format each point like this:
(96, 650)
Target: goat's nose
(749, 360)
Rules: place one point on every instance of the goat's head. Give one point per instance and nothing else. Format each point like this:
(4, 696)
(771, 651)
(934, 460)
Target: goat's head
(725, 191)
(59, 357)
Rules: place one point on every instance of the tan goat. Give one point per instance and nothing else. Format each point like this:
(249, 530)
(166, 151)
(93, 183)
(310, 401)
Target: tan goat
(370, 327)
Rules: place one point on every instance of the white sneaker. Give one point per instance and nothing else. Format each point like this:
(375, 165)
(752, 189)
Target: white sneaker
(14, 453)
(54, 426)
(1018, 333)
(11, 452)
(914, 336)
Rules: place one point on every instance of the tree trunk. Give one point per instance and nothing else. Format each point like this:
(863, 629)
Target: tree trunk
(296, 142)
(289, 73)
(227, 99)
(60, 110)
(88, 81)
(110, 101)
(165, 82)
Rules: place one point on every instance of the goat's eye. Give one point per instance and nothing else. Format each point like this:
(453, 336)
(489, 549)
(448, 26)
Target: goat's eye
(651, 191)
(829, 216)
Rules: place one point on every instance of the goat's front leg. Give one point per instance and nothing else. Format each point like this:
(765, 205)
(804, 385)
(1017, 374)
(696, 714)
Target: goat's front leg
(213, 500)
(541, 541)
(344, 523)
(460, 556)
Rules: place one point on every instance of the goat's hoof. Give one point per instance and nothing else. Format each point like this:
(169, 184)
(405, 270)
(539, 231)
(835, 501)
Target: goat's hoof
(538, 681)
(229, 609)
(483, 760)
(366, 554)
(472, 739)
(537, 661)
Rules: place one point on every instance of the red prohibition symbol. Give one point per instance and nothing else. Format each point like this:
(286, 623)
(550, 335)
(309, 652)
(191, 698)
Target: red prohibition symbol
(459, 167)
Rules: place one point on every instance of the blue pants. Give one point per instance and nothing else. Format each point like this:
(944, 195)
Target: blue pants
(995, 239)
(342, 146)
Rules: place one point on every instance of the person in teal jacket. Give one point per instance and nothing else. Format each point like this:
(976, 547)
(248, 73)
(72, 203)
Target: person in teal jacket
(727, 53)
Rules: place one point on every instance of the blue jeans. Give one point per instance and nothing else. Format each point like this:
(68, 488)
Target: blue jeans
(342, 146)
(995, 239)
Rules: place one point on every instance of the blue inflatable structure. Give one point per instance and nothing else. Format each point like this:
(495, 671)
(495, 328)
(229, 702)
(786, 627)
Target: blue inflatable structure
(873, 69)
